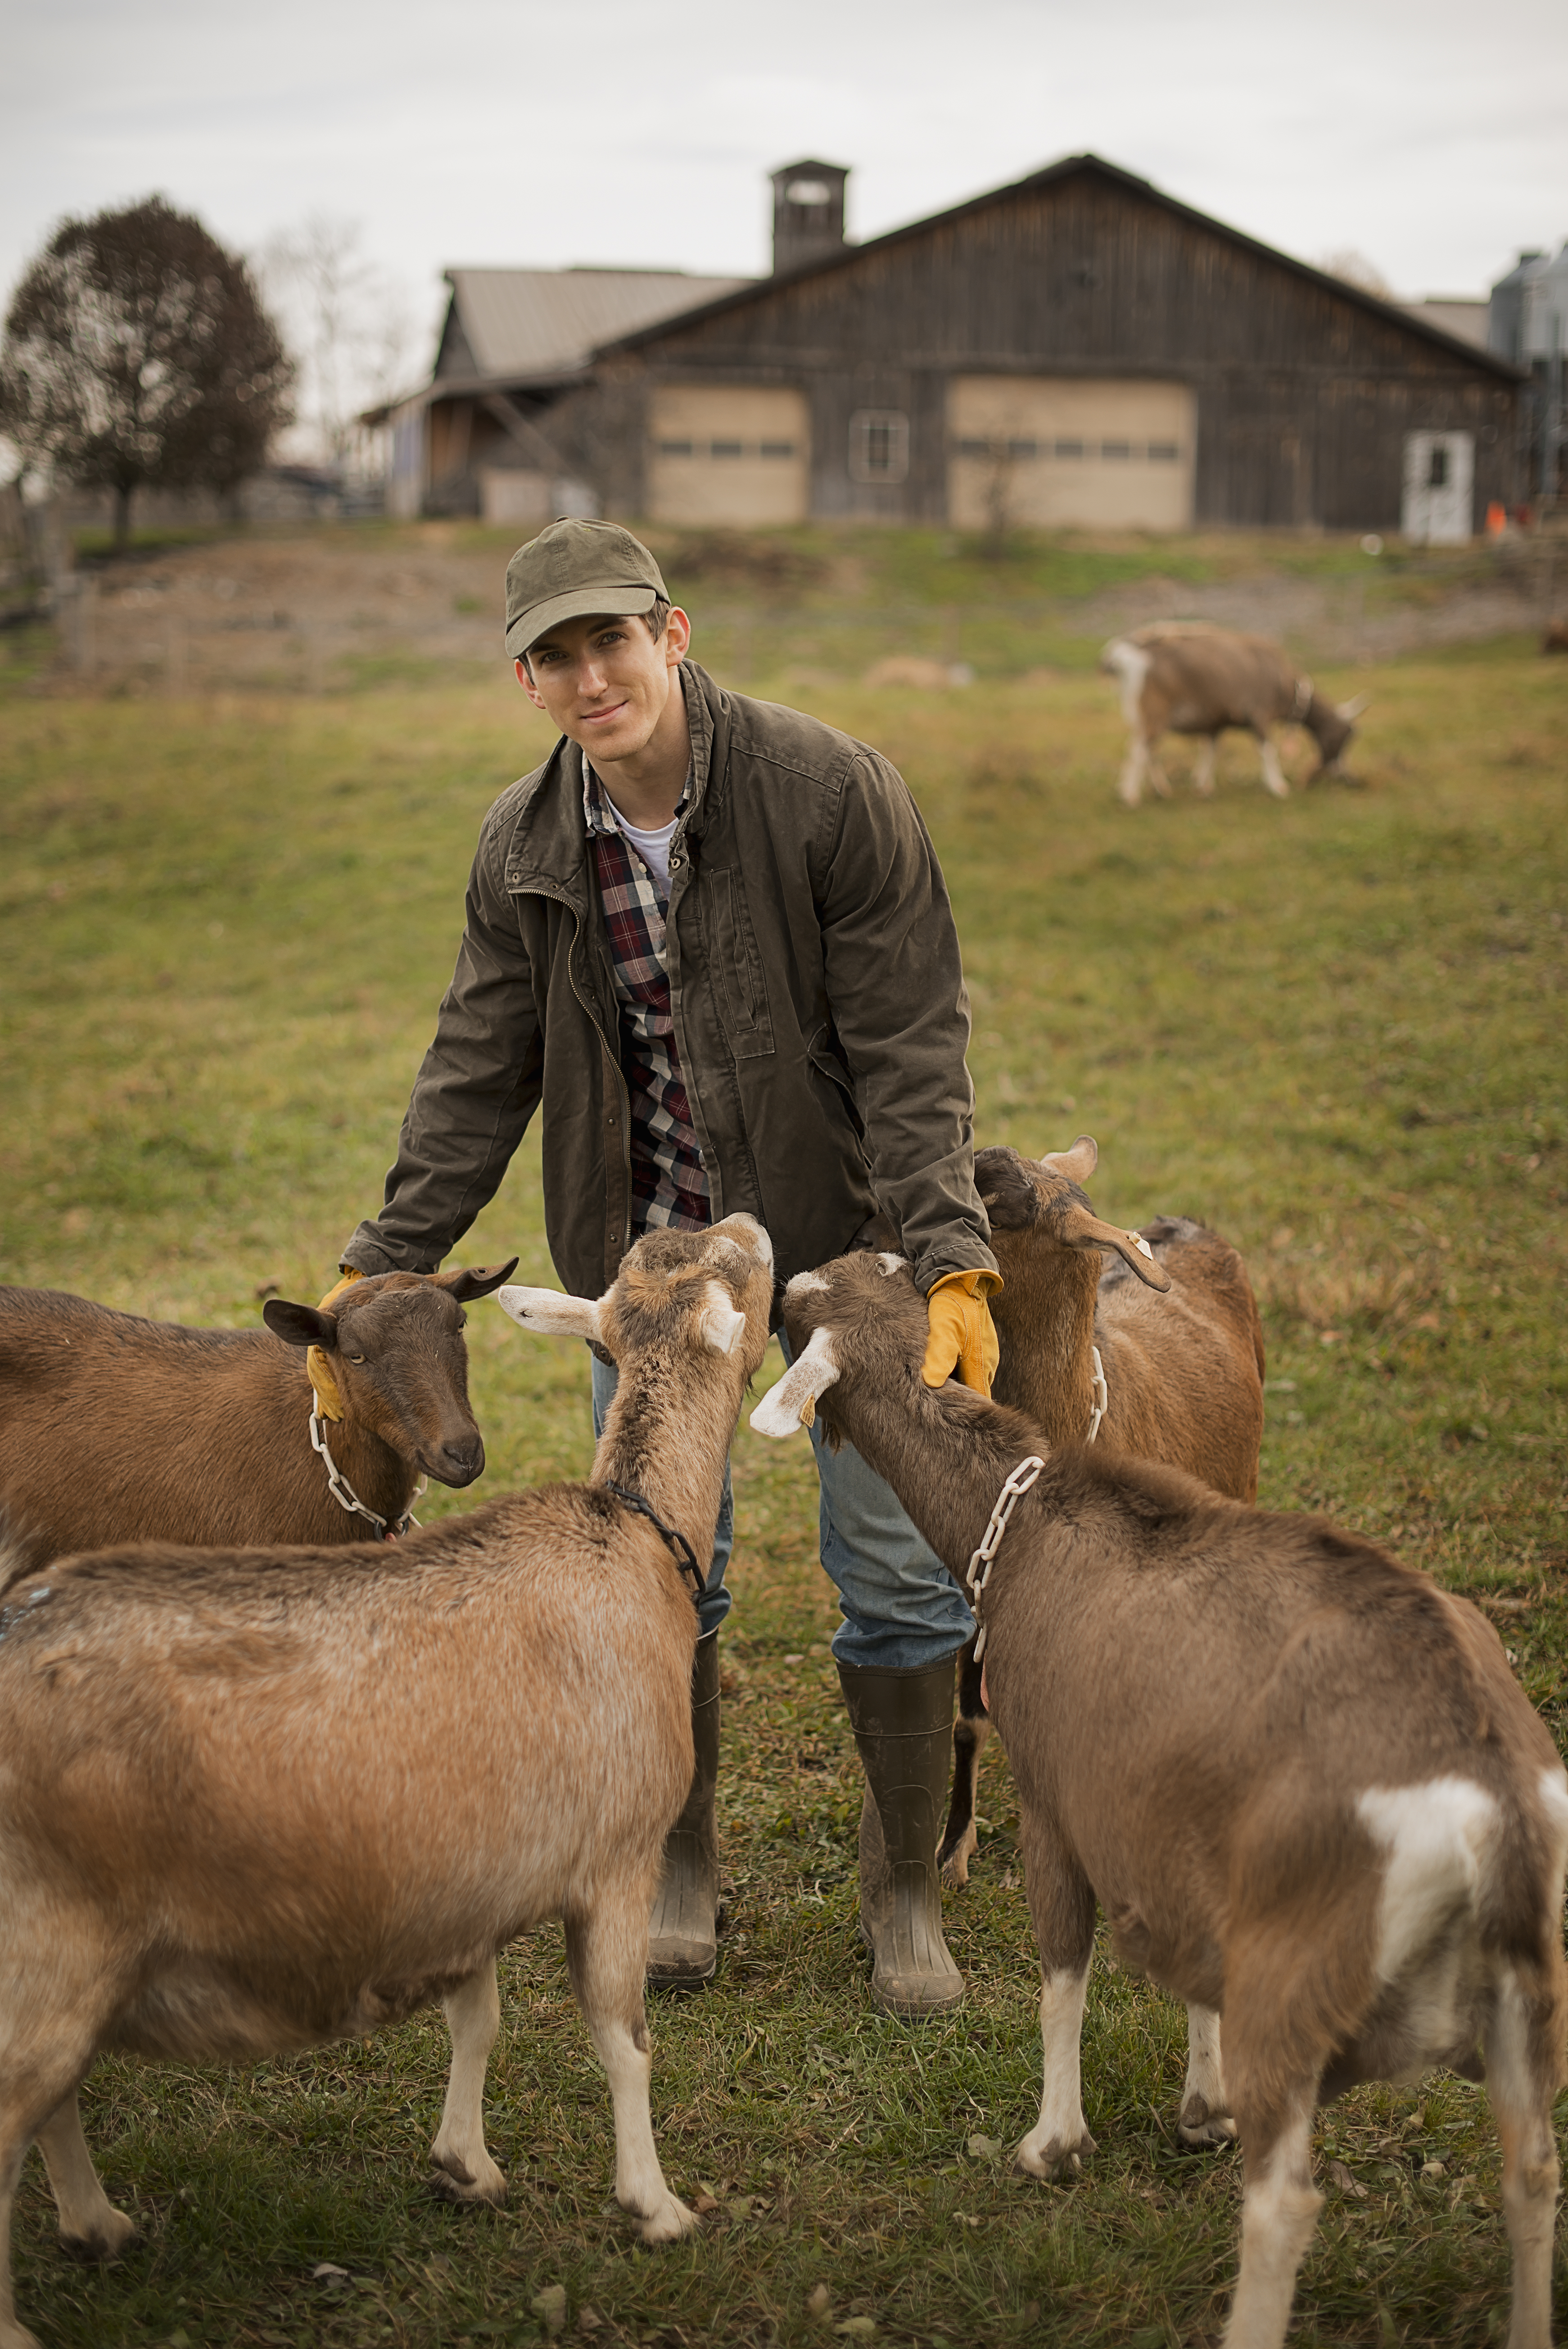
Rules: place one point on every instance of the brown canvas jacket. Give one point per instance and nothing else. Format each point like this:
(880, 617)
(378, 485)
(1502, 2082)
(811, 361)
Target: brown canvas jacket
(820, 1013)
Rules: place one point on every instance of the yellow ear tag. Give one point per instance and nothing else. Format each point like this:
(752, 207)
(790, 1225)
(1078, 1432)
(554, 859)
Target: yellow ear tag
(318, 1369)
(808, 1410)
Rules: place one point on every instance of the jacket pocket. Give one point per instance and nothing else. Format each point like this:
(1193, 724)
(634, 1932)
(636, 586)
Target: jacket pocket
(737, 966)
(825, 1062)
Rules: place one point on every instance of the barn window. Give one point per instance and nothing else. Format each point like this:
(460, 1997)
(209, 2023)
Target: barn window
(1069, 447)
(675, 448)
(1438, 469)
(726, 449)
(778, 448)
(1116, 448)
(1163, 453)
(879, 445)
(1016, 448)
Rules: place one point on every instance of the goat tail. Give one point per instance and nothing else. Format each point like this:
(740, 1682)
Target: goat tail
(972, 1729)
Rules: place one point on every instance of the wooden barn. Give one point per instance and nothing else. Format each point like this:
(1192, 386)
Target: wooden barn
(1077, 348)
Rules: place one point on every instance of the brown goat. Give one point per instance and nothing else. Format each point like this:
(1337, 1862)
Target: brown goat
(1181, 1350)
(113, 1428)
(1364, 1873)
(1195, 678)
(254, 1800)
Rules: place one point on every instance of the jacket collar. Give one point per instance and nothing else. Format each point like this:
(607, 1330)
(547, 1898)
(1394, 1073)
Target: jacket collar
(547, 847)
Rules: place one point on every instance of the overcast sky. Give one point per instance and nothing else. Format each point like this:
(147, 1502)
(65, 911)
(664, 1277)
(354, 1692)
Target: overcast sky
(1430, 135)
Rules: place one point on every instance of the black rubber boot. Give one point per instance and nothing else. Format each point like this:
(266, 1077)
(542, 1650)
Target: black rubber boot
(683, 1931)
(903, 1724)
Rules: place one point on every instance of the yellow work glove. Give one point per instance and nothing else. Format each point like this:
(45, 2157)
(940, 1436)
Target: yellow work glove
(964, 1337)
(328, 1402)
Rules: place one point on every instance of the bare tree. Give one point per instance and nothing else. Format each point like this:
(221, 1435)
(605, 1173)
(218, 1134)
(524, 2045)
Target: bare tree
(136, 352)
(1357, 270)
(348, 322)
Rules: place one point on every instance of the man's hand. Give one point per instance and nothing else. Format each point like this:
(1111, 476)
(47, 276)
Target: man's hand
(964, 1337)
(330, 1403)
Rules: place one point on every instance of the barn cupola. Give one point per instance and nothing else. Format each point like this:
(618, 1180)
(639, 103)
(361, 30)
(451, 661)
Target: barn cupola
(809, 214)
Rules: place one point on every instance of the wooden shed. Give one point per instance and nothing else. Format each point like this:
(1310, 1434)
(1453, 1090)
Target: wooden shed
(1074, 348)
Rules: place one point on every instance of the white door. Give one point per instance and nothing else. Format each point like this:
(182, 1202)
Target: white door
(1439, 468)
(727, 454)
(1044, 451)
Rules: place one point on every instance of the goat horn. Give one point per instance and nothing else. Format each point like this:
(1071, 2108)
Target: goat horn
(549, 1313)
(1351, 711)
(1086, 1231)
(792, 1402)
(1077, 1164)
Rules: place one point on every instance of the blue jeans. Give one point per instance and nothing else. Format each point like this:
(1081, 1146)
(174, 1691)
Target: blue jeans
(901, 1607)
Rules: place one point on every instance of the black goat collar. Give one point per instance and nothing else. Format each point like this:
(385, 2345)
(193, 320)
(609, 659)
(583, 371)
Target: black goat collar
(679, 1548)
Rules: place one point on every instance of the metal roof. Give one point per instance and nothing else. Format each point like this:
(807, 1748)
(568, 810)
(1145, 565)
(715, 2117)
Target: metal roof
(525, 323)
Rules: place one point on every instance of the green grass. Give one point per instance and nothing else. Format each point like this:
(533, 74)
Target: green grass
(1334, 1027)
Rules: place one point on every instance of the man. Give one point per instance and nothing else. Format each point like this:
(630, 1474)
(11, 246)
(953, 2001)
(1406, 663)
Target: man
(709, 937)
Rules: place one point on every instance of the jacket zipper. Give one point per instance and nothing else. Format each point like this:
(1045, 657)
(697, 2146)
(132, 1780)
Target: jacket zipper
(536, 889)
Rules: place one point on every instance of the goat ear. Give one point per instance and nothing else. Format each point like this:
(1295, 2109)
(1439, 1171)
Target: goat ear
(300, 1325)
(1081, 1230)
(549, 1313)
(484, 1277)
(792, 1402)
(1077, 1164)
(720, 1325)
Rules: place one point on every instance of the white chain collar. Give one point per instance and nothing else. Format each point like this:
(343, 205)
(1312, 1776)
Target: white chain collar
(343, 1492)
(1007, 1500)
(979, 1572)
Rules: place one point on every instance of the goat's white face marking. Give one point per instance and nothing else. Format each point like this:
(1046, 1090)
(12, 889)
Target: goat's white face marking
(1435, 1839)
(720, 1325)
(805, 1284)
(549, 1313)
(890, 1263)
(1131, 664)
(792, 1402)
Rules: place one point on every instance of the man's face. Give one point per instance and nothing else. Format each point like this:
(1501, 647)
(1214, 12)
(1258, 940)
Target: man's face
(606, 682)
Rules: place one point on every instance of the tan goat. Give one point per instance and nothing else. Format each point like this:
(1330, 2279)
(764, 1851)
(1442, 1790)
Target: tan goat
(1363, 1872)
(1167, 1366)
(1188, 677)
(115, 1429)
(255, 1800)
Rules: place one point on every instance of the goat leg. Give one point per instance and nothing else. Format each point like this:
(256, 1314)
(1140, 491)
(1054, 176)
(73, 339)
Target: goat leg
(972, 1733)
(606, 1953)
(1279, 2211)
(1524, 2047)
(464, 2171)
(1205, 2117)
(1062, 1906)
(89, 2223)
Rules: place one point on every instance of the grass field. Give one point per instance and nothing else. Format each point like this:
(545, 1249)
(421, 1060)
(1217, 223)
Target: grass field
(1333, 1028)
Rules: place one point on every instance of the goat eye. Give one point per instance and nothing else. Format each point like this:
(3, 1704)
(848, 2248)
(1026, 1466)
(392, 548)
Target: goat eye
(356, 1358)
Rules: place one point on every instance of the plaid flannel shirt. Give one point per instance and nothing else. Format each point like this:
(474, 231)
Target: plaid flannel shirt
(669, 1181)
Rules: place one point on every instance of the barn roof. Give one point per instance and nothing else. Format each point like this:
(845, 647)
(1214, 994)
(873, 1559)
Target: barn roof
(525, 323)
(763, 289)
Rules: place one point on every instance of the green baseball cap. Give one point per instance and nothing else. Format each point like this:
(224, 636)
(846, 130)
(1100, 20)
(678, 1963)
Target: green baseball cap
(571, 570)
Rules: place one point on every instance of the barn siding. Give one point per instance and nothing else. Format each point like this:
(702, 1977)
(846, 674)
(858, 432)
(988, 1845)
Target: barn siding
(1304, 394)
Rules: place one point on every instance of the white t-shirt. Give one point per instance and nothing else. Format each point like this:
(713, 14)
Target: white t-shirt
(653, 847)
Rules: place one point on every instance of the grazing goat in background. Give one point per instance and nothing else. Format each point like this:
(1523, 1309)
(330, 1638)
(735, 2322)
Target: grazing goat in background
(113, 1428)
(254, 1800)
(1362, 1867)
(1192, 678)
(1169, 1366)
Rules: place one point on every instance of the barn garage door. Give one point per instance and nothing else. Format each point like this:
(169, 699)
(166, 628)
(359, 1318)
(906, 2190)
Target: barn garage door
(727, 456)
(1039, 451)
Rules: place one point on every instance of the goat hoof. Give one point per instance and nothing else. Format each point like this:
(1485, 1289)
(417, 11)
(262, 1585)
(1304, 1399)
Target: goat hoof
(457, 2184)
(1053, 2159)
(114, 2231)
(1202, 2130)
(672, 2219)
